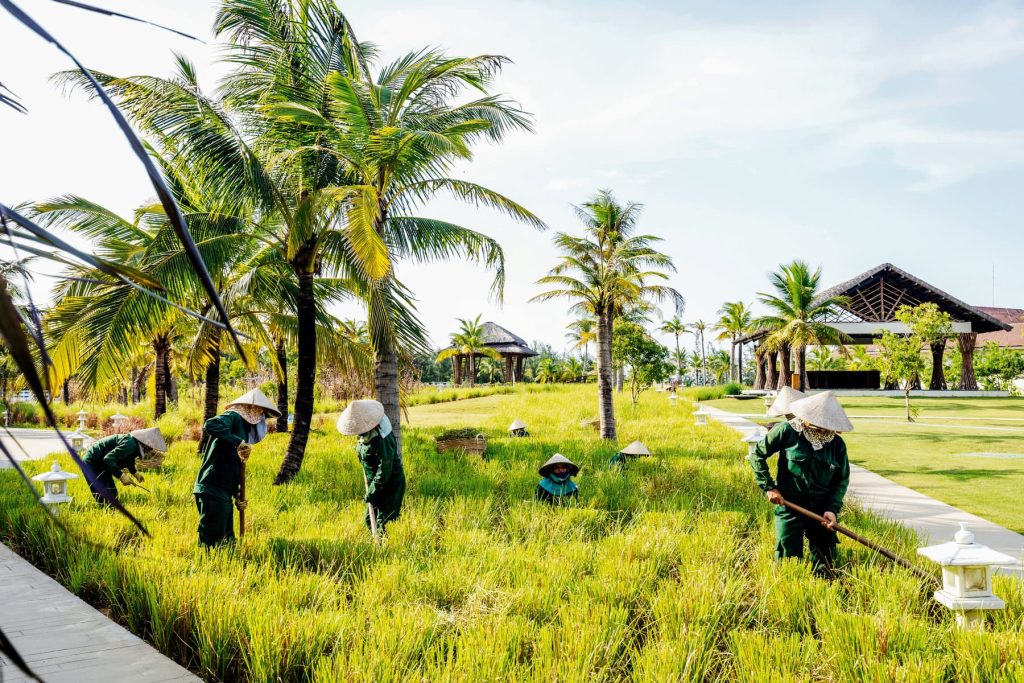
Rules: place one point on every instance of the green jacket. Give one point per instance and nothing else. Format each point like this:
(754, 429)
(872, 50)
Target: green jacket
(806, 476)
(220, 474)
(112, 454)
(382, 466)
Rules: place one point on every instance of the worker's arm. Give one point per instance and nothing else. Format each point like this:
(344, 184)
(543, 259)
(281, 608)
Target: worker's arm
(219, 427)
(840, 481)
(382, 472)
(772, 443)
(121, 456)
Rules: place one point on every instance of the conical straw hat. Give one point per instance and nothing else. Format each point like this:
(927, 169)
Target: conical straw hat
(517, 424)
(150, 438)
(822, 410)
(256, 398)
(360, 417)
(558, 459)
(636, 448)
(783, 400)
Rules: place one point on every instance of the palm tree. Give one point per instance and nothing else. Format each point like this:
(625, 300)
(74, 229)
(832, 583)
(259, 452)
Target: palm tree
(682, 360)
(699, 328)
(582, 331)
(676, 328)
(468, 343)
(490, 369)
(734, 322)
(547, 371)
(334, 160)
(798, 314)
(572, 370)
(602, 273)
(719, 364)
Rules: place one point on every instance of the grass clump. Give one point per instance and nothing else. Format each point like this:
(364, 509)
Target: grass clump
(663, 572)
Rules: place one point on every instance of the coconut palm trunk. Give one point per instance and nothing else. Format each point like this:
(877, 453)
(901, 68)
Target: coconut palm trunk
(771, 372)
(282, 387)
(212, 391)
(801, 360)
(386, 385)
(161, 347)
(785, 372)
(606, 406)
(305, 311)
(739, 362)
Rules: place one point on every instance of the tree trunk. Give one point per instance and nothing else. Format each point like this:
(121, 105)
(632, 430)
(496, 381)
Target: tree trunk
(679, 363)
(801, 357)
(471, 361)
(66, 392)
(135, 384)
(305, 311)
(967, 342)
(386, 383)
(704, 358)
(212, 390)
(938, 380)
(739, 362)
(785, 373)
(282, 388)
(771, 371)
(160, 348)
(906, 400)
(606, 406)
(759, 362)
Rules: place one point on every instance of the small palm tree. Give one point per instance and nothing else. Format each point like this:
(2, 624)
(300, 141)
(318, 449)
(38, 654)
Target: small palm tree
(699, 328)
(798, 313)
(676, 328)
(582, 332)
(468, 343)
(682, 360)
(572, 370)
(547, 371)
(733, 323)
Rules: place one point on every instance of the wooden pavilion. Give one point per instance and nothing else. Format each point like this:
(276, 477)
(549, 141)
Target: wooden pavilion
(873, 299)
(513, 349)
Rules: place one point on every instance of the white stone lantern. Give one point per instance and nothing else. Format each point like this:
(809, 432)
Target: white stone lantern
(7, 418)
(967, 577)
(82, 416)
(769, 399)
(79, 440)
(752, 439)
(117, 419)
(55, 486)
(672, 396)
(702, 416)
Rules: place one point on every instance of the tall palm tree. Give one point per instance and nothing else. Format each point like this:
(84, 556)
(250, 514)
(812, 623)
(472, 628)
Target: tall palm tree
(797, 313)
(676, 328)
(699, 328)
(468, 343)
(602, 273)
(582, 332)
(734, 322)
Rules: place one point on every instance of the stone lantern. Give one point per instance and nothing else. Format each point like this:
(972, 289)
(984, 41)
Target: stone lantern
(79, 439)
(752, 439)
(55, 486)
(82, 416)
(967, 577)
(701, 415)
(117, 419)
(769, 398)
(7, 418)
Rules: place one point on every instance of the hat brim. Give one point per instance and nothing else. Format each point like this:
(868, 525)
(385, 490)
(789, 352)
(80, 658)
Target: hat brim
(256, 398)
(360, 417)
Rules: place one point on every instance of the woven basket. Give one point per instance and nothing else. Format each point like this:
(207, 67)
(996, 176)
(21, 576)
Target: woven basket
(474, 444)
(152, 462)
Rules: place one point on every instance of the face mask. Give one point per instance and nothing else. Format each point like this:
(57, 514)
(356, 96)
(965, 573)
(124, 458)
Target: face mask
(384, 426)
(258, 431)
(559, 478)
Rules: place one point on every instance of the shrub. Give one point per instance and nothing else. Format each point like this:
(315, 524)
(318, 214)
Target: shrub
(732, 389)
(703, 393)
(130, 424)
(25, 413)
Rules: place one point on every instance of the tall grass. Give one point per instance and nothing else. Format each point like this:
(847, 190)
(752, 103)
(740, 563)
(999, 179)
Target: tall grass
(664, 572)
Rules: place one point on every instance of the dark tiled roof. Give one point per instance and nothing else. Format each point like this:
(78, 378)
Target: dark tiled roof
(1012, 338)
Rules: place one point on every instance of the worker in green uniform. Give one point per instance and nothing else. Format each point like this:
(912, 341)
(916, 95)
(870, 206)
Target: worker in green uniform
(378, 454)
(230, 437)
(813, 472)
(556, 486)
(113, 458)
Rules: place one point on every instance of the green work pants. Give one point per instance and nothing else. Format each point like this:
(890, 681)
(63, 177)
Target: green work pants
(790, 529)
(216, 520)
(387, 503)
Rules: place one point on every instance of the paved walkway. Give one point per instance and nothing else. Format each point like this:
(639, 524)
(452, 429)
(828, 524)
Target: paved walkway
(933, 520)
(64, 639)
(37, 443)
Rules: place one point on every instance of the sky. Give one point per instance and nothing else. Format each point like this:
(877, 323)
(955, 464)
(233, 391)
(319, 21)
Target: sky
(844, 134)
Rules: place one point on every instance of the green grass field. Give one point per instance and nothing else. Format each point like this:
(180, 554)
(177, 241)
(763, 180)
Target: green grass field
(662, 573)
(931, 454)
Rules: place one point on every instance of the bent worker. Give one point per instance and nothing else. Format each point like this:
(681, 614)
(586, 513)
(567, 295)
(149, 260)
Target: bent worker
(113, 457)
(556, 486)
(378, 454)
(230, 437)
(813, 471)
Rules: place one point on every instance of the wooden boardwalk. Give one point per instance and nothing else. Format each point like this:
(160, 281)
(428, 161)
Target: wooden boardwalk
(65, 640)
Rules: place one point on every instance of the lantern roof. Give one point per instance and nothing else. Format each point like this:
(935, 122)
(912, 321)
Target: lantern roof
(55, 473)
(963, 552)
(754, 436)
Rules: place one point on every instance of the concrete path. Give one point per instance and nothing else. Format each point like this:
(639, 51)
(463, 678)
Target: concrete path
(933, 520)
(63, 639)
(37, 443)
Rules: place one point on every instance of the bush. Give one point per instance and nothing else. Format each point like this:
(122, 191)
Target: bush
(732, 389)
(703, 393)
(25, 413)
(130, 424)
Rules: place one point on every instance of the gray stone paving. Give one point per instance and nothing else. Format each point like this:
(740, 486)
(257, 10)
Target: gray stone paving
(65, 640)
(34, 444)
(933, 520)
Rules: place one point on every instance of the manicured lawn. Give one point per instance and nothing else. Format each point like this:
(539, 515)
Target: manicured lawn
(930, 455)
(663, 572)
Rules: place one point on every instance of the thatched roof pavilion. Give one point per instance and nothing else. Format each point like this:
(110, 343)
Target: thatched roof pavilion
(513, 350)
